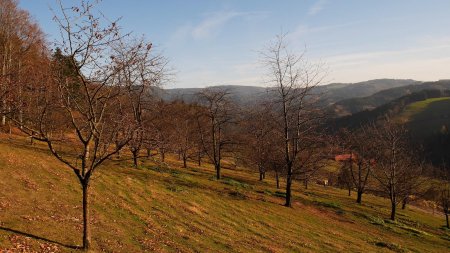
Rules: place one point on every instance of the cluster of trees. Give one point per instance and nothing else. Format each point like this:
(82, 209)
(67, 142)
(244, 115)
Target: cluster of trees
(381, 155)
(22, 46)
(94, 92)
(90, 92)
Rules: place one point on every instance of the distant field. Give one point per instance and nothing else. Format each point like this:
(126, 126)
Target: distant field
(428, 116)
(159, 208)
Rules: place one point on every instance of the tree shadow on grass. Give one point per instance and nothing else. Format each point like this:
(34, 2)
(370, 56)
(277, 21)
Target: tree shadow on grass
(39, 238)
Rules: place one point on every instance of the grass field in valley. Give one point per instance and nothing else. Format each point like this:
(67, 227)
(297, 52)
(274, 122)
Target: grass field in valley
(428, 116)
(164, 208)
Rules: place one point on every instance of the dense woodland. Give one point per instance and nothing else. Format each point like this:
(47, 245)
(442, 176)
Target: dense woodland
(90, 97)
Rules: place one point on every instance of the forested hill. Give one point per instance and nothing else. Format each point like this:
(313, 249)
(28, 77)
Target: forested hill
(391, 109)
(356, 104)
(239, 94)
(333, 93)
(425, 113)
(330, 93)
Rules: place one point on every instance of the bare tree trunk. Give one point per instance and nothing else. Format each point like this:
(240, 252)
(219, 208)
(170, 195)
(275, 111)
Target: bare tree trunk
(149, 153)
(349, 191)
(305, 182)
(87, 152)
(118, 153)
(359, 197)
(135, 157)
(277, 178)
(261, 173)
(218, 176)
(184, 161)
(446, 218)
(163, 155)
(404, 202)
(393, 209)
(199, 160)
(86, 226)
(288, 188)
(4, 116)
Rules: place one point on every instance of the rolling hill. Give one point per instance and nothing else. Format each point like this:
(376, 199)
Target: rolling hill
(429, 121)
(356, 104)
(164, 208)
(426, 113)
(330, 93)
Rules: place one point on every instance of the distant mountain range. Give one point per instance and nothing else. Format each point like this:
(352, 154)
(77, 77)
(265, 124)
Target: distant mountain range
(239, 94)
(423, 106)
(353, 105)
(330, 93)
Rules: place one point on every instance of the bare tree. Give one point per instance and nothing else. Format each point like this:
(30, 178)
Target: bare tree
(162, 129)
(345, 177)
(259, 144)
(444, 198)
(98, 106)
(397, 169)
(140, 69)
(182, 118)
(293, 79)
(218, 115)
(357, 145)
(275, 163)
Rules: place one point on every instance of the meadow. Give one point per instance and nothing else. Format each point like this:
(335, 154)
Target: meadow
(161, 207)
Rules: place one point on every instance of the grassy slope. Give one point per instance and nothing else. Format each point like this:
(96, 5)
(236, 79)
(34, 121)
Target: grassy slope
(427, 117)
(186, 210)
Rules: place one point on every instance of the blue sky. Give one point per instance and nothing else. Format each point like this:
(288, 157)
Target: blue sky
(212, 42)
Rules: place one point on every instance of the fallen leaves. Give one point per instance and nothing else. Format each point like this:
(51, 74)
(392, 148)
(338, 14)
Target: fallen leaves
(28, 245)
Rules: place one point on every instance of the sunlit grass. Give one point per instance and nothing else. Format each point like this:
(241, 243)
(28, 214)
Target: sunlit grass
(171, 209)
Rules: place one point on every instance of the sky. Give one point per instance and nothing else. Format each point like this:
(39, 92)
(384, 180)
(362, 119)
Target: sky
(212, 42)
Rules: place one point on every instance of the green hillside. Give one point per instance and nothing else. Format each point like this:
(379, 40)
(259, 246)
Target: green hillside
(357, 104)
(429, 121)
(168, 209)
(428, 116)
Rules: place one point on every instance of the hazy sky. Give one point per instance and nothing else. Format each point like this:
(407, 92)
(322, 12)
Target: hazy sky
(214, 42)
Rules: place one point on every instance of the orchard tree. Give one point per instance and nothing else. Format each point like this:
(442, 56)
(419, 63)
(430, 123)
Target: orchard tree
(293, 78)
(444, 199)
(141, 68)
(185, 129)
(358, 145)
(259, 129)
(162, 132)
(344, 177)
(97, 108)
(218, 113)
(397, 168)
